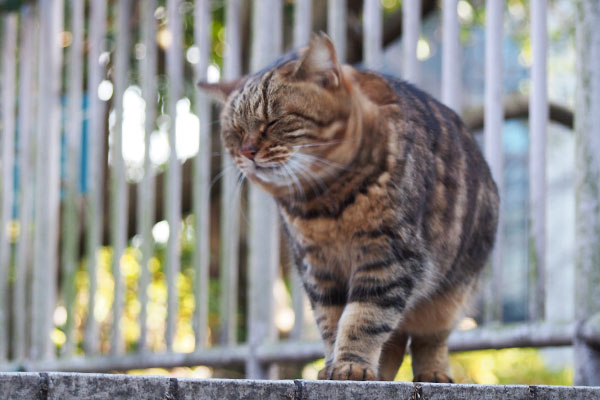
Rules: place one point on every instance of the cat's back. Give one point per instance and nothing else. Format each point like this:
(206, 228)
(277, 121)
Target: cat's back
(436, 132)
(450, 177)
(420, 111)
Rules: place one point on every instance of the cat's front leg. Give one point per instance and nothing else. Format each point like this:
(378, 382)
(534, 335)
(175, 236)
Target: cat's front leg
(327, 317)
(377, 297)
(327, 293)
(360, 338)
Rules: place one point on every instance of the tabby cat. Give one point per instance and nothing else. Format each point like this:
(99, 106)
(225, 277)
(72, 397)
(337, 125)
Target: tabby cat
(387, 202)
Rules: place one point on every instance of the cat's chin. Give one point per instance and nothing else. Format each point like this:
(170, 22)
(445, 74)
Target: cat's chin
(268, 184)
(267, 176)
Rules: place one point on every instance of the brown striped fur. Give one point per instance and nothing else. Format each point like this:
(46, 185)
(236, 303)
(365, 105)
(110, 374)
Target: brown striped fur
(388, 205)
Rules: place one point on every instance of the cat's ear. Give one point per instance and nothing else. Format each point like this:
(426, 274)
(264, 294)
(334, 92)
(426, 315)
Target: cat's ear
(319, 63)
(219, 91)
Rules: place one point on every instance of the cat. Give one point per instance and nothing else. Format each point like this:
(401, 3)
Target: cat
(388, 206)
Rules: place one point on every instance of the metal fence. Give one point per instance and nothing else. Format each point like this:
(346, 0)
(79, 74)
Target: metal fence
(53, 218)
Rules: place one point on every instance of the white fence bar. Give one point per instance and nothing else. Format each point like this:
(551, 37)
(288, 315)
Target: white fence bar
(538, 119)
(146, 188)
(373, 34)
(302, 22)
(48, 178)
(26, 163)
(7, 142)
(587, 178)
(302, 29)
(96, 160)
(173, 192)
(493, 140)
(72, 204)
(336, 26)
(451, 61)
(230, 200)
(263, 236)
(298, 300)
(275, 35)
(118, 184)
(411, 25)
(202, 163)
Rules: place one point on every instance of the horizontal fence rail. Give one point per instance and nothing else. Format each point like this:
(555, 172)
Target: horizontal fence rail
(163, 287)
(519, 335)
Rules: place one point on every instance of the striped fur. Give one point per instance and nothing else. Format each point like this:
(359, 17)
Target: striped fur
(387, 203)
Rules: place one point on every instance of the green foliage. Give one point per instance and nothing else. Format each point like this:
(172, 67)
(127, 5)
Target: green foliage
(389, 6)
(507, 366)
(504, 367)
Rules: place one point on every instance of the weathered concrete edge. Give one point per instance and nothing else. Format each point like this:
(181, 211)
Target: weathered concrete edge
(54, 385)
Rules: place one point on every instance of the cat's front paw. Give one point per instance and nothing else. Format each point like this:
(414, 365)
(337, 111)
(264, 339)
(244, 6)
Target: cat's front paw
(348, 371)
(323, 374)
(433, 376)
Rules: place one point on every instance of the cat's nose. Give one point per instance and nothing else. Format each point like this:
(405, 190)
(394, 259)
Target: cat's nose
(248, 150)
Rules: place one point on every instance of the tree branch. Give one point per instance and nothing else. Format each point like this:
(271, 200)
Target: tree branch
(392, 27)
(516, 106)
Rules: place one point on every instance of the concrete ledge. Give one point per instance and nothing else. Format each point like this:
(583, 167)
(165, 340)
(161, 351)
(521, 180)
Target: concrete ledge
(66, 386)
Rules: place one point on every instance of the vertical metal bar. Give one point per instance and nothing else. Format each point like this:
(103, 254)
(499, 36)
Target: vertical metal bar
(118, 184)
(298, 300)
(48, 177)
(538, 120)
(232, 63)
(275, 35)
(493, 140)
(146, 188)
(173, 192)
(336, 26)
(9, 60)
(26, 164)
(264, 224)
(72, 203)
(302, 22)
(95, 162)
(230, 200)
(202, 161)
(451, 65)
(373, 34)
(587, 176)
(302, 29)
(411, 23)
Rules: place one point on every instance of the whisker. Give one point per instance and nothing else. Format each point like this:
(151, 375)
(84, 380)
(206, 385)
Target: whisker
(324, 161)
(309, 180)
(295, 180)
(225, 170)
(290, 189)
(301, 146)
(238, 194)
(214, 122)
(309, 176)
(237, 189)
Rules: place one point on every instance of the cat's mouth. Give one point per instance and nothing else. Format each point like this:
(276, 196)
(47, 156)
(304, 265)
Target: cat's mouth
(263, 172)
(269, 173)
(267, 167)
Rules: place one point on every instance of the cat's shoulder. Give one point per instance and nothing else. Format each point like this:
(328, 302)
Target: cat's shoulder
(376, 83)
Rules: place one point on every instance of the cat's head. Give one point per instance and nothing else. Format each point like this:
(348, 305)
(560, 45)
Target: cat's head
(287, 128)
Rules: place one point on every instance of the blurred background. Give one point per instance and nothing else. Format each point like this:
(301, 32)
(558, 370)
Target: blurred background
(128, 242)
